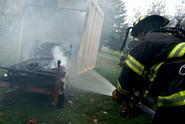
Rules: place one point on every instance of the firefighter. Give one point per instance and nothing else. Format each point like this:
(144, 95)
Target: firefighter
(156, 65)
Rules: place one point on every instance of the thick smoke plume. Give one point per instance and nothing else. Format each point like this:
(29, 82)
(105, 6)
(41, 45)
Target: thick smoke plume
(59, 55)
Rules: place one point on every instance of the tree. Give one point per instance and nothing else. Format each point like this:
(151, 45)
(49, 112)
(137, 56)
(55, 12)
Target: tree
(180, 12)
(3, 8)
(119, 27)
(113, 31)
(157, 7)
(137, 14)
(106, 6)
(9, 27)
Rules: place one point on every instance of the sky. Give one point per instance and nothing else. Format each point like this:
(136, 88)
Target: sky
(143, 5)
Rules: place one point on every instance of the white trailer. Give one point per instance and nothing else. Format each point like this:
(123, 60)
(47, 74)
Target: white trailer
(75, 23)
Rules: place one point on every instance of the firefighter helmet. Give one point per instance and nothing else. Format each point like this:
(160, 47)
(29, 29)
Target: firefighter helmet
(146, 24)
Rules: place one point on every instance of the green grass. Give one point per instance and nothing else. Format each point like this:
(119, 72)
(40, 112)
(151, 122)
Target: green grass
(107, 65)
(80, 107)
(2, 72)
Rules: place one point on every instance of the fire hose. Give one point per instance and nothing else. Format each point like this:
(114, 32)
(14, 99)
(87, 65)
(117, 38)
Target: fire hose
(146, 110)
(134, 105)
(132, 110)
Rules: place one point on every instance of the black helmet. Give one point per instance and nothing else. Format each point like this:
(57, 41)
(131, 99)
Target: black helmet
(145, 24)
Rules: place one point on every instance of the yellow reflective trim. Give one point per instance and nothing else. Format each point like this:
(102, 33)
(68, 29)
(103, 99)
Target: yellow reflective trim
(172, 53)
(141, 18)
(118, 86)
(179, 103)
(135, 65)
(173, 96)
(133, 68)
(122, 91)
(154, 70)
(136, 62)
(175, 99)
(181, 53)
(172, 104)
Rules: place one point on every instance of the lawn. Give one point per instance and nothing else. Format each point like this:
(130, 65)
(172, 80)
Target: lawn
(80, 107)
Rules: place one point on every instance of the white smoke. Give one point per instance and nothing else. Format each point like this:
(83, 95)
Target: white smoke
(59, 55)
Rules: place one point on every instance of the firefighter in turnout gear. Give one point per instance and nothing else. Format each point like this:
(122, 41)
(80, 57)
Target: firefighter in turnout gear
(156, 65)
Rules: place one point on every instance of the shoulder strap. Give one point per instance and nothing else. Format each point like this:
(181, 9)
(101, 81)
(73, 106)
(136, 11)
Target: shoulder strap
(178, 32)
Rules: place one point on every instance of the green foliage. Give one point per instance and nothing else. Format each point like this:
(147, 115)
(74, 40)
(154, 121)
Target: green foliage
(107, 23)
(2, 72)
(107, 65)
(118, 33)
(114, 26)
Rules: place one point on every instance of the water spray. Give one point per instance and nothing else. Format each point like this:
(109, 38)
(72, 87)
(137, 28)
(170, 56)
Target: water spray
(92, 81)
